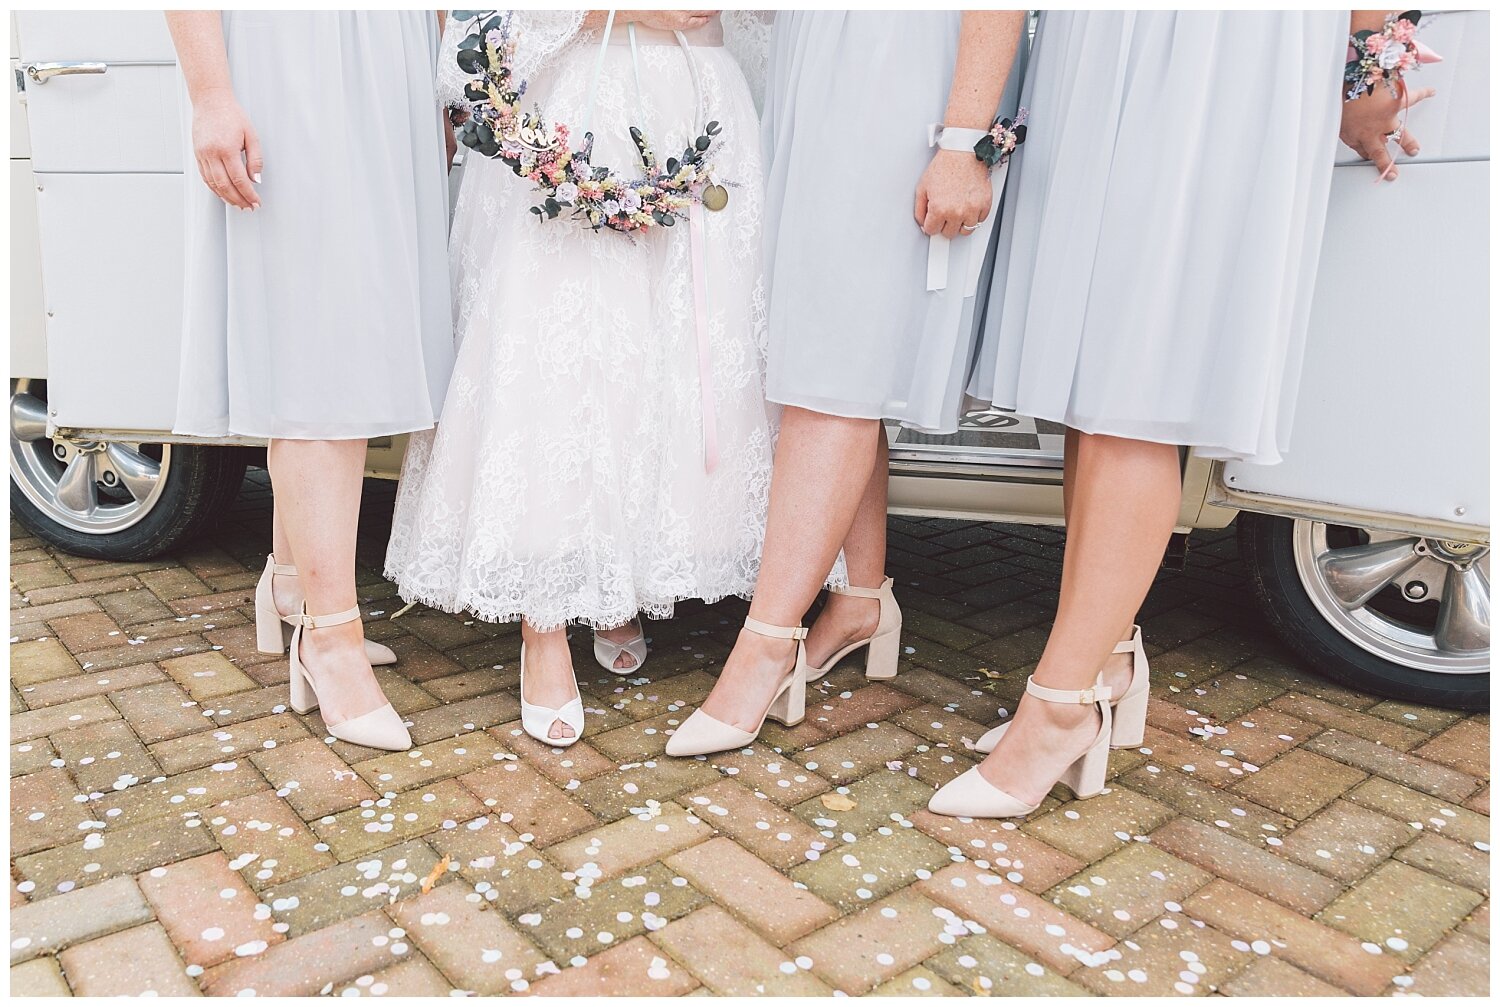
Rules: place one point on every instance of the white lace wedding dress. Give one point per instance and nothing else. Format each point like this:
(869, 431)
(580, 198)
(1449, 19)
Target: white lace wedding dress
(566, 480)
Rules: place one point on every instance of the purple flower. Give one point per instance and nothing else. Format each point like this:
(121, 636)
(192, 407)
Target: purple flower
(631, 201)
(610, 207)
(567, 192)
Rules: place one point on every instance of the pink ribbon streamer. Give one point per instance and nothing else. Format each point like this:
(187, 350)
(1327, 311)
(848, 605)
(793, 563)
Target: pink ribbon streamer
(700, 319)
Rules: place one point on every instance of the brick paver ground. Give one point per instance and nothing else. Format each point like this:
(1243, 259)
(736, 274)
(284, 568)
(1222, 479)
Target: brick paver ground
(176, 828)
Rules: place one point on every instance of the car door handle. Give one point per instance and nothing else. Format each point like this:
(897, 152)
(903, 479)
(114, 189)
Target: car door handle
(40, 73)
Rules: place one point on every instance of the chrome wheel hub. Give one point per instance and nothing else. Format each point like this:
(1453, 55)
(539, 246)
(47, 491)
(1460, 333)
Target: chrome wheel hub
(1421, 603)
(89, 486)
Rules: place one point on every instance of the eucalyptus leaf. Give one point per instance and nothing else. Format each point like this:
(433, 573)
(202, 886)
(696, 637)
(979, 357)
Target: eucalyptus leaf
(473, 61)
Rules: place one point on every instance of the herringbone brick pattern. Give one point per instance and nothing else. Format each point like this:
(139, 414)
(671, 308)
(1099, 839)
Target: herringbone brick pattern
(175, 828)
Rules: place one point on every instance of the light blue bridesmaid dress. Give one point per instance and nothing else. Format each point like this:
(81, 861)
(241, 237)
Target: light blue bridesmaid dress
(853, 329)
(325, 314)
(1162, 225)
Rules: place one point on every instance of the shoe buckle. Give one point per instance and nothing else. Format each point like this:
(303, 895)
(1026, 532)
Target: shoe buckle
(1087, 696)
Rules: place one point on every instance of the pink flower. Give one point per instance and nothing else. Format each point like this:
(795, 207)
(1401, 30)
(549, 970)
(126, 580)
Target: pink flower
(1403, 30)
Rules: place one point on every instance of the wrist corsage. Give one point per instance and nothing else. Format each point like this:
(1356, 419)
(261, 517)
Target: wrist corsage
(1384, 56)
(1005, 135)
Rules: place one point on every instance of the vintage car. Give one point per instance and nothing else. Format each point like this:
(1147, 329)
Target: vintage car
(1368, 547)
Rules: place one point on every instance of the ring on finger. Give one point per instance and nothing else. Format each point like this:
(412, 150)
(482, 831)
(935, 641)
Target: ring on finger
(968, 228)
(1394, 135)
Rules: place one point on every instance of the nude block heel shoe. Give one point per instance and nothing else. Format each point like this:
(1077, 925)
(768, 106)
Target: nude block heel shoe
(269, 622)
(972, 796)
(380, 728)
(273, 630)
(701, 734)
(1129, 709)
(884, 644)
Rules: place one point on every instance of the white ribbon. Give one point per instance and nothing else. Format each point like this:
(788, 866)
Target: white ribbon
(957, 138)
(697, 230)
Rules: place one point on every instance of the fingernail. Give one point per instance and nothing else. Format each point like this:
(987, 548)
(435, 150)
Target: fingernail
(255, 178)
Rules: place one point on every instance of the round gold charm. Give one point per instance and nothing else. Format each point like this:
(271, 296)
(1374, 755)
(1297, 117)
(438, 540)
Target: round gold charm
(716, 197)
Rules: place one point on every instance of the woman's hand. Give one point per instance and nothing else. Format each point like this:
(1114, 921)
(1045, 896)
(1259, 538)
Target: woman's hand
(1369, 120)
(674, 20)
(227, 149)
(954, 195)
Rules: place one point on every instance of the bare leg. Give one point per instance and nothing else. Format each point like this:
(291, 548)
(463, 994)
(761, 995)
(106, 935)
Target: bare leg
(317, 486)
(1070, 472)
(1117, 667)
(1125, 500)
(821, 476)
(287, 591)
(844, 618)
(549, 673)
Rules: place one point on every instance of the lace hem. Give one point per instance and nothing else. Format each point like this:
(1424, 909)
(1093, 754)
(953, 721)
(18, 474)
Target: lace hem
(463, 603)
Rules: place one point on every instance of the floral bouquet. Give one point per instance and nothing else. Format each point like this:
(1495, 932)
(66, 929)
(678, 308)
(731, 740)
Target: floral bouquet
(539, 150)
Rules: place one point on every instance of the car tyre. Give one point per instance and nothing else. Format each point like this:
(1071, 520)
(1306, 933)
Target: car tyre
(1388, 646)
(127, 501)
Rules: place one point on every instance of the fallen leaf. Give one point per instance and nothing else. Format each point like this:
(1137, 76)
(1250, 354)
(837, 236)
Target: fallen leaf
(838, 802)
(438, 870)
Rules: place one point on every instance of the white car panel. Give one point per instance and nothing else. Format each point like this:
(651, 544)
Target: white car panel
(125, 120)
(101, 35)
(112, 260)
(1392, 416)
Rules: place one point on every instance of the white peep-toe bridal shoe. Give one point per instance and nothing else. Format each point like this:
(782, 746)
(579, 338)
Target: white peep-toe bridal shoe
(972, 796)
(273, 629)
(380, 728)
(537, 720)
(1129, 710)
(607, 652)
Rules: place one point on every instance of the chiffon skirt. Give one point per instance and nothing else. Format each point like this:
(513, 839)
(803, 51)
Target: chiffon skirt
(854, 331)
(567, 480)
(324, 314)
(1155, 260)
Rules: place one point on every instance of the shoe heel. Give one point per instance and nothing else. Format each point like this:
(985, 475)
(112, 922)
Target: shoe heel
(304, 699)
(269, 638)
(1086, 776)
(884, 654)
(790, 706)
(269, 623)
(1128, 729)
